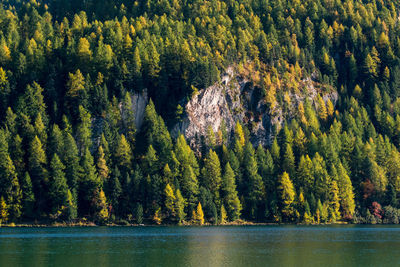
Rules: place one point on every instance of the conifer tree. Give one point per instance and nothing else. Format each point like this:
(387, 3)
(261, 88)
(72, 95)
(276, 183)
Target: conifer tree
(114, 191)
(334, 205)
(223, 215)
(9, 184)
(179, 206)
(255, 191)
(3, 211)
(305, 177)
(38, 171)
(70, 158)
(286, 195)
(58, 188)
(102, 168)
(89, 183)
(123, 154)
(169, 201)
(83, 131)
(198, 215)
(346, 193)
(190, 186)
(229, 193)
(28, 198)
(102, 213)
(288, 161)
(212, 174)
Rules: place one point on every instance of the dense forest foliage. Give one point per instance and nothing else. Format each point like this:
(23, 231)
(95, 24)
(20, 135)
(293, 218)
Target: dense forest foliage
(69, 148)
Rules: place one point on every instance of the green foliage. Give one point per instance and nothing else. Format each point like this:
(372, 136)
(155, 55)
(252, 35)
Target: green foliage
(58, 188)
(229, 194)
(70, 85)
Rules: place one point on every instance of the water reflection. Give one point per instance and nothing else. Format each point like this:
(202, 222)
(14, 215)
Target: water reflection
(201, 246)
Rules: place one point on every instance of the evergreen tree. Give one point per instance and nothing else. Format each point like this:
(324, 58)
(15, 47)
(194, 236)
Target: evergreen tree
(286, 196)
(38, 172)
(58, 188)
(89, 184)
(169, 201)
(102, 168)
(229, 193)
(212, 175)
(334, 205)
(346, 194)
(3, 211)
(123, 154)
(255, 190)
(179, 206)
(198, 215)
(83, 132)
(28, 198)
(70, 158)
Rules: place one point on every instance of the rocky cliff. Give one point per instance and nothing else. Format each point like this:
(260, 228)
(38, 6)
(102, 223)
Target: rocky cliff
(236, 98)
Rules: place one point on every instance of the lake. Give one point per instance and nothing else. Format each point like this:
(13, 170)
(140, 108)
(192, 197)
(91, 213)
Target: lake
(201, 246)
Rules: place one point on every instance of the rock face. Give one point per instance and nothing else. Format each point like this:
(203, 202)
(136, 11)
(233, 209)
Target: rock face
(235, 98)
(212, 106)
(139, 103)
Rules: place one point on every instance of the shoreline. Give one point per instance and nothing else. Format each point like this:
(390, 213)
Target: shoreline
(92, 224)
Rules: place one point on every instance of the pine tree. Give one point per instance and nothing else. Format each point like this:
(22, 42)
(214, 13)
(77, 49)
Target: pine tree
(288, 161)
(9, 184)
(28, 198)
(83, 132)
(55, 141)
(70, 158)
(212, 174)
(38, 172)
(139, 213)
(102, 213)
(322, 112)
(198, 215)
(334, 205)
(102, 168)
(89, 184)
(179, 206)
(190, 186)
(239, 135)
(123, 154)
(114, 191)
(58, 188)
(229, 193)
(223, 215)
(305, 177)
(275, 151)
(3, 211)
(346, 194)
(150, 161)
(169, 201)
(156, 132)
(71, 209)
(286, 195)
(254, 185)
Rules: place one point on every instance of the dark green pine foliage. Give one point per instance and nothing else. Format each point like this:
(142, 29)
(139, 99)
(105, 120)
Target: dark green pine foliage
(229, 194)
(28, 198)
(255, 191)
(58, 188)
(89, 185)
(77, 85)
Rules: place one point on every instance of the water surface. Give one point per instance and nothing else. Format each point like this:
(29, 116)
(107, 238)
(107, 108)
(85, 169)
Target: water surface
(201, 246)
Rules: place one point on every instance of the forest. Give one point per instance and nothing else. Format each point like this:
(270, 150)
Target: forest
(70, 150)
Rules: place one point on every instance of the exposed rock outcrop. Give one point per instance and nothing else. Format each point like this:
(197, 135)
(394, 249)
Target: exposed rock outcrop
(235, 98)
(139, 103)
